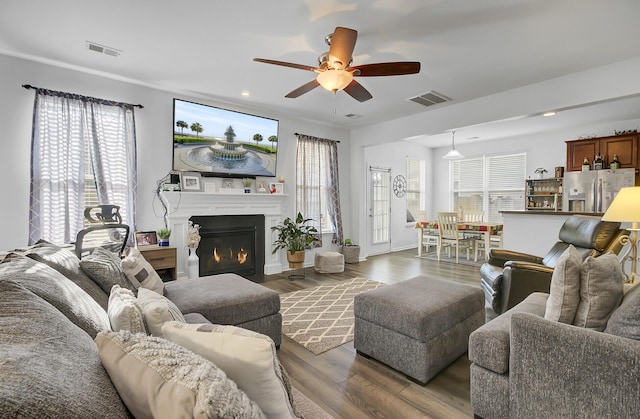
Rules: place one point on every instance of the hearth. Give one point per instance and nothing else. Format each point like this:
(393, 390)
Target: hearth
(232, 244)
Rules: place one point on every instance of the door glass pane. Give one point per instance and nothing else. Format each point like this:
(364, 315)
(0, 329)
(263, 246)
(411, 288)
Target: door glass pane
(380, 206)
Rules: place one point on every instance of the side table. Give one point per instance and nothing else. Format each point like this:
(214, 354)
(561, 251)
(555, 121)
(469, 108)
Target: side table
(161, 258)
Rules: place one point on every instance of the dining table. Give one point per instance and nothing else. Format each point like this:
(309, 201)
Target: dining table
(486, 229)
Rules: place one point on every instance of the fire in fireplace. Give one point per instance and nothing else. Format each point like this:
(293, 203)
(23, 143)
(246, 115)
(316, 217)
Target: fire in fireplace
(232, 243)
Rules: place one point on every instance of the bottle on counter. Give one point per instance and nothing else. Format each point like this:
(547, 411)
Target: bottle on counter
(598, 163)
(585, 165)
(615, 163)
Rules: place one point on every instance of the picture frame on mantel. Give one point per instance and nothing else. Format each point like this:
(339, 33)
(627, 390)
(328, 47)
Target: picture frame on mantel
(191, 182)
(276, 188)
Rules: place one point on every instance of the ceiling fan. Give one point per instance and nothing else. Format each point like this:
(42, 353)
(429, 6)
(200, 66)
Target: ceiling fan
(335, 71)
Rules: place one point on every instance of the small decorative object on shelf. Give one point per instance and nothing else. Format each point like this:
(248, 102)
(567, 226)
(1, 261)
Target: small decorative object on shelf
(164, 234)
(615, 163)
(193, 241)
(585, 165)
(540, 171)
(598, 163)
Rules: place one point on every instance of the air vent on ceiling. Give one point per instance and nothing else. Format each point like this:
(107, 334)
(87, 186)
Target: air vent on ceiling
(92, 46)
(430, 98)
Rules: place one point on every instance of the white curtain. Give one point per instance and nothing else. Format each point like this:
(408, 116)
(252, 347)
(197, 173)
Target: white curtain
(317, 186)
(75, 139)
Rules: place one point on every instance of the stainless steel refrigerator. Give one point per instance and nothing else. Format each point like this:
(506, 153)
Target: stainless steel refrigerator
(594, 190)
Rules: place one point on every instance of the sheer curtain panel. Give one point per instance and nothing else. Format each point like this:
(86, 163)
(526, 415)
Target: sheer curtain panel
(79, 144)
(317, 184)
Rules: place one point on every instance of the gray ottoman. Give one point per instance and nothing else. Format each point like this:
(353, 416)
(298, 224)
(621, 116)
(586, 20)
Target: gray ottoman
(229, 299)
(418, 326)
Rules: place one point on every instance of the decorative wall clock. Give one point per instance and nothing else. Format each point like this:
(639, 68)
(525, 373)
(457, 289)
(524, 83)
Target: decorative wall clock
(399, 186)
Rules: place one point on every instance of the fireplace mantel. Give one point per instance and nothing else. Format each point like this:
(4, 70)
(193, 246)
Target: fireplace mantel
(184, 205)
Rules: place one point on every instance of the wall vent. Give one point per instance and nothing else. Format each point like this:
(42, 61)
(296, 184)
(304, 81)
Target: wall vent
(430, 98)
(92, 46)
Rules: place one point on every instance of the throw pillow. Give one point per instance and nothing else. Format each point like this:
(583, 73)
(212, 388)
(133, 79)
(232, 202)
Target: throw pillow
(105, 268)
(124, 311)
(248, 358)
(564, 295)
(67, 263)
(157, 310)
(140, 272)
(601, 291)
(160, 379)
(625, 320)
(57, 290)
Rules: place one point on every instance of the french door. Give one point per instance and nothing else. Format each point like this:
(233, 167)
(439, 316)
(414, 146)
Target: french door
(379, 219)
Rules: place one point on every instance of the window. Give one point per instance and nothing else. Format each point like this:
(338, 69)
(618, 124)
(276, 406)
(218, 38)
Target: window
(83, 154)
(317, 191)
(489, 183)
(416, 196)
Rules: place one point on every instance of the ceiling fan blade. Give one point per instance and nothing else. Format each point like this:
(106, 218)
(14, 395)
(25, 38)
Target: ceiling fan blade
(357, 91)
(303, 89)
(386, 69)
(343, 41)
(286, 64)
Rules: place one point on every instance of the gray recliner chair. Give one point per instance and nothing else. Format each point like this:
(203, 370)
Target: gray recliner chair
(508, 277)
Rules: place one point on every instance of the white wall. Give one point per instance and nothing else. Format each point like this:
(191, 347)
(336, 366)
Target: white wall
(154, 127)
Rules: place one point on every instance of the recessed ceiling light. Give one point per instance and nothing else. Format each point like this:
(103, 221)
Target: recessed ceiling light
(245, 93)
(551, 113)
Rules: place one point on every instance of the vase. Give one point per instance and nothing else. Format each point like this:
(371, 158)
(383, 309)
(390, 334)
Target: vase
(163, 242)
(193, 264)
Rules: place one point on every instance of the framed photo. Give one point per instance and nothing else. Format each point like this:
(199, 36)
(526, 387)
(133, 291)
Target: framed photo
(190, 182)
(145, 238)
(261, 187)
(276, 188)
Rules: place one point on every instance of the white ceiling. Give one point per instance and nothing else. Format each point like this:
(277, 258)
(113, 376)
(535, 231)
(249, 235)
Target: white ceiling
(469, 49)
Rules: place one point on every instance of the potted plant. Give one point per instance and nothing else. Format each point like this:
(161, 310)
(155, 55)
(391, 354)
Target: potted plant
(164, 234)
(295, 236)
(247, 182)
(351, 252)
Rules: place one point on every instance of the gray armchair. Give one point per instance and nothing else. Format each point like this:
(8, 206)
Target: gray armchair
(508, 277)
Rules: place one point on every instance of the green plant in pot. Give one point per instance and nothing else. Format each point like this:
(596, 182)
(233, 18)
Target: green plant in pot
(164, 234)
(295, 236)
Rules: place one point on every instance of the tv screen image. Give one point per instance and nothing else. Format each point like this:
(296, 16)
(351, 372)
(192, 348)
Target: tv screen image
(221, 142)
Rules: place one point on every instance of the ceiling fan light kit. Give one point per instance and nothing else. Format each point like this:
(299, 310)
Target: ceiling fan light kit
(334, 80)
(335, 72)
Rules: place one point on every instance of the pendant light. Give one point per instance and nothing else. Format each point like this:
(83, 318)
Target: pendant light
(453, 154)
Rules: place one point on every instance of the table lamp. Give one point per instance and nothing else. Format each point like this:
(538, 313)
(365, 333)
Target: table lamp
(626, 208)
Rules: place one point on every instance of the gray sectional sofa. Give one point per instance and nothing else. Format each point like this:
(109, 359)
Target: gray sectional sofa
(524, 366)
(50, 313)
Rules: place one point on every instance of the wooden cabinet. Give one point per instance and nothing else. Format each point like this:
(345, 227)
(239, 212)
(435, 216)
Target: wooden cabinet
(625, 146)
(160, 257)
(543, 194)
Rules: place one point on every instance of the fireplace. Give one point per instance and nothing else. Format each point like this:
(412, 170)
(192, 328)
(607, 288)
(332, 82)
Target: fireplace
(232, 244)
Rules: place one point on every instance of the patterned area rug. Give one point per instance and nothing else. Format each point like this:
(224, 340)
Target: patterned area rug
(321, 318)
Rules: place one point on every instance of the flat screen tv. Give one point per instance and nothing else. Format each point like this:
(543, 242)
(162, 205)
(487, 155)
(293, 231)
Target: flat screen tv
(221, 142)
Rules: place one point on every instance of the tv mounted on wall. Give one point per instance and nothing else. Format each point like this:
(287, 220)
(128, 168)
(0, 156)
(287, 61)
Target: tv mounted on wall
(221, 142)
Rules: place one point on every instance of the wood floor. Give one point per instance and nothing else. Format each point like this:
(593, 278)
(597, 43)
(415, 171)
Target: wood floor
(348, 385)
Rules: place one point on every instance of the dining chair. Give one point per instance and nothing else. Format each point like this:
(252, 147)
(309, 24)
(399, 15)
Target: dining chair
(472, 216)
(495, 241)
(450, 235)
(430, 238)
(469, 216)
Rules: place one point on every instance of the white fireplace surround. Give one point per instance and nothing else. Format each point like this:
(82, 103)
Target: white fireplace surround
(184, 205)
